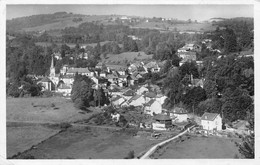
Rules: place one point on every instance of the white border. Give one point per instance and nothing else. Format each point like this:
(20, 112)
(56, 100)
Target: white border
(3, 4)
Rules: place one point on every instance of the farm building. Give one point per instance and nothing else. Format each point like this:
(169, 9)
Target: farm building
(211, 121)
(179, 115)
(161, 122)
(152, 107)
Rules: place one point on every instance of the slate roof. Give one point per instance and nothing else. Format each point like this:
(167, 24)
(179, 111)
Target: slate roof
(63, 86)
(116, 98)
(162, 117)
(209, 116)
(149, 103)
(150, 94)
(46, 79)
(79, 70)
(178, 110)
(129, 93)
(134, 98)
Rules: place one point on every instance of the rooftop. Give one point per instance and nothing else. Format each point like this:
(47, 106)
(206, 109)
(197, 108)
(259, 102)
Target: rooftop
(78, 70)
(162, 117)
(209, 116)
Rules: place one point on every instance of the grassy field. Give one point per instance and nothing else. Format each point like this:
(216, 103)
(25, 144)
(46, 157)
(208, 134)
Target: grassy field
(82, 143)
(22, 137)
(180, 27)
(198, 148)
(71, 45)
(26, 118)
(53, 109)
(66, 22)
(126, 57)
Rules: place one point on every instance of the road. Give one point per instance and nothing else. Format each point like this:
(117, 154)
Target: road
(153, 149)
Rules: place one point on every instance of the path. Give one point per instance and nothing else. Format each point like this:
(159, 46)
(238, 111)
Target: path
(73, 124)
(153, 149)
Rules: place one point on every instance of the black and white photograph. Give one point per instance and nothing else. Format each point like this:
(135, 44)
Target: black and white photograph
(128, 81)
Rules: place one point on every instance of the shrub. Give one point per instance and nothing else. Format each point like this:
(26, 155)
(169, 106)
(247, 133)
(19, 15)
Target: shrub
(65, 126)
(130, 155)
(47, 94)
(79, 103)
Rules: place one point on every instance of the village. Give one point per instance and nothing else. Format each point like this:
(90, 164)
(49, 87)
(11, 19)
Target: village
(122, 84)
(129, 87)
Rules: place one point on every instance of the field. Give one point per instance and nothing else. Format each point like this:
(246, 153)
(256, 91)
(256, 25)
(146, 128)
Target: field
(126, 57)
(66, 22)
(21, 137)
(90, 143)
(43, 110)
(199, 148)
(71, 45)
(27, 119)
(180, 27)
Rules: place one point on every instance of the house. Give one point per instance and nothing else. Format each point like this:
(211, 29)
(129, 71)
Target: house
(112, 78)
(160, 98)
(241, 126)
(137, 100)
(64, 69)
(179, 115)
(99, 65)
(117, 100)
(197, 82)
(122, 80)
(149, 96)
(57, 55)
(102, 74)
(161, 122)
(152, 66)
(211, 121)
(115, 116)
(81, 71)
(47, 84)
(152, 107)
(187, 57)
(68, 80)
(141, 90)
(128, 94)
(65, 89)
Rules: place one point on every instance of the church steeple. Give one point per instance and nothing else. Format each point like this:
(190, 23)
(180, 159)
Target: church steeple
(52, 65)
(52, 68)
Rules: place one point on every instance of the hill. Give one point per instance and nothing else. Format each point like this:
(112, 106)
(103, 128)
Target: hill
(59, 20)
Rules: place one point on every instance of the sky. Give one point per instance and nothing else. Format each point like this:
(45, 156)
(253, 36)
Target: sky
(182, 12)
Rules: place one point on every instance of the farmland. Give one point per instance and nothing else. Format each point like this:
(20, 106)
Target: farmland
(90, 143)
(192, 147)
(180, 27)
(65, 22)
(27, 119)
(125, 57)
(44, 110)
(71, 45)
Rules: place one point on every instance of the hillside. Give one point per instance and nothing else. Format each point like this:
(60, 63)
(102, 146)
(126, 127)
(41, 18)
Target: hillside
(43, 22)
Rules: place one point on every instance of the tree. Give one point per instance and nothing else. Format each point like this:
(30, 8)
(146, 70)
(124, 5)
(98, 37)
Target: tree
(247, 147)
(245, 39)
(230, 43)
(194, 96)
(166, 66)
(212, 105)
(82, 92)
(210, 88)
(189, 68)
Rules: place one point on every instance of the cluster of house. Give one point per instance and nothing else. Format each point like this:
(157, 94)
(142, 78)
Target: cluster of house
(188, 53)
(103, 75)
